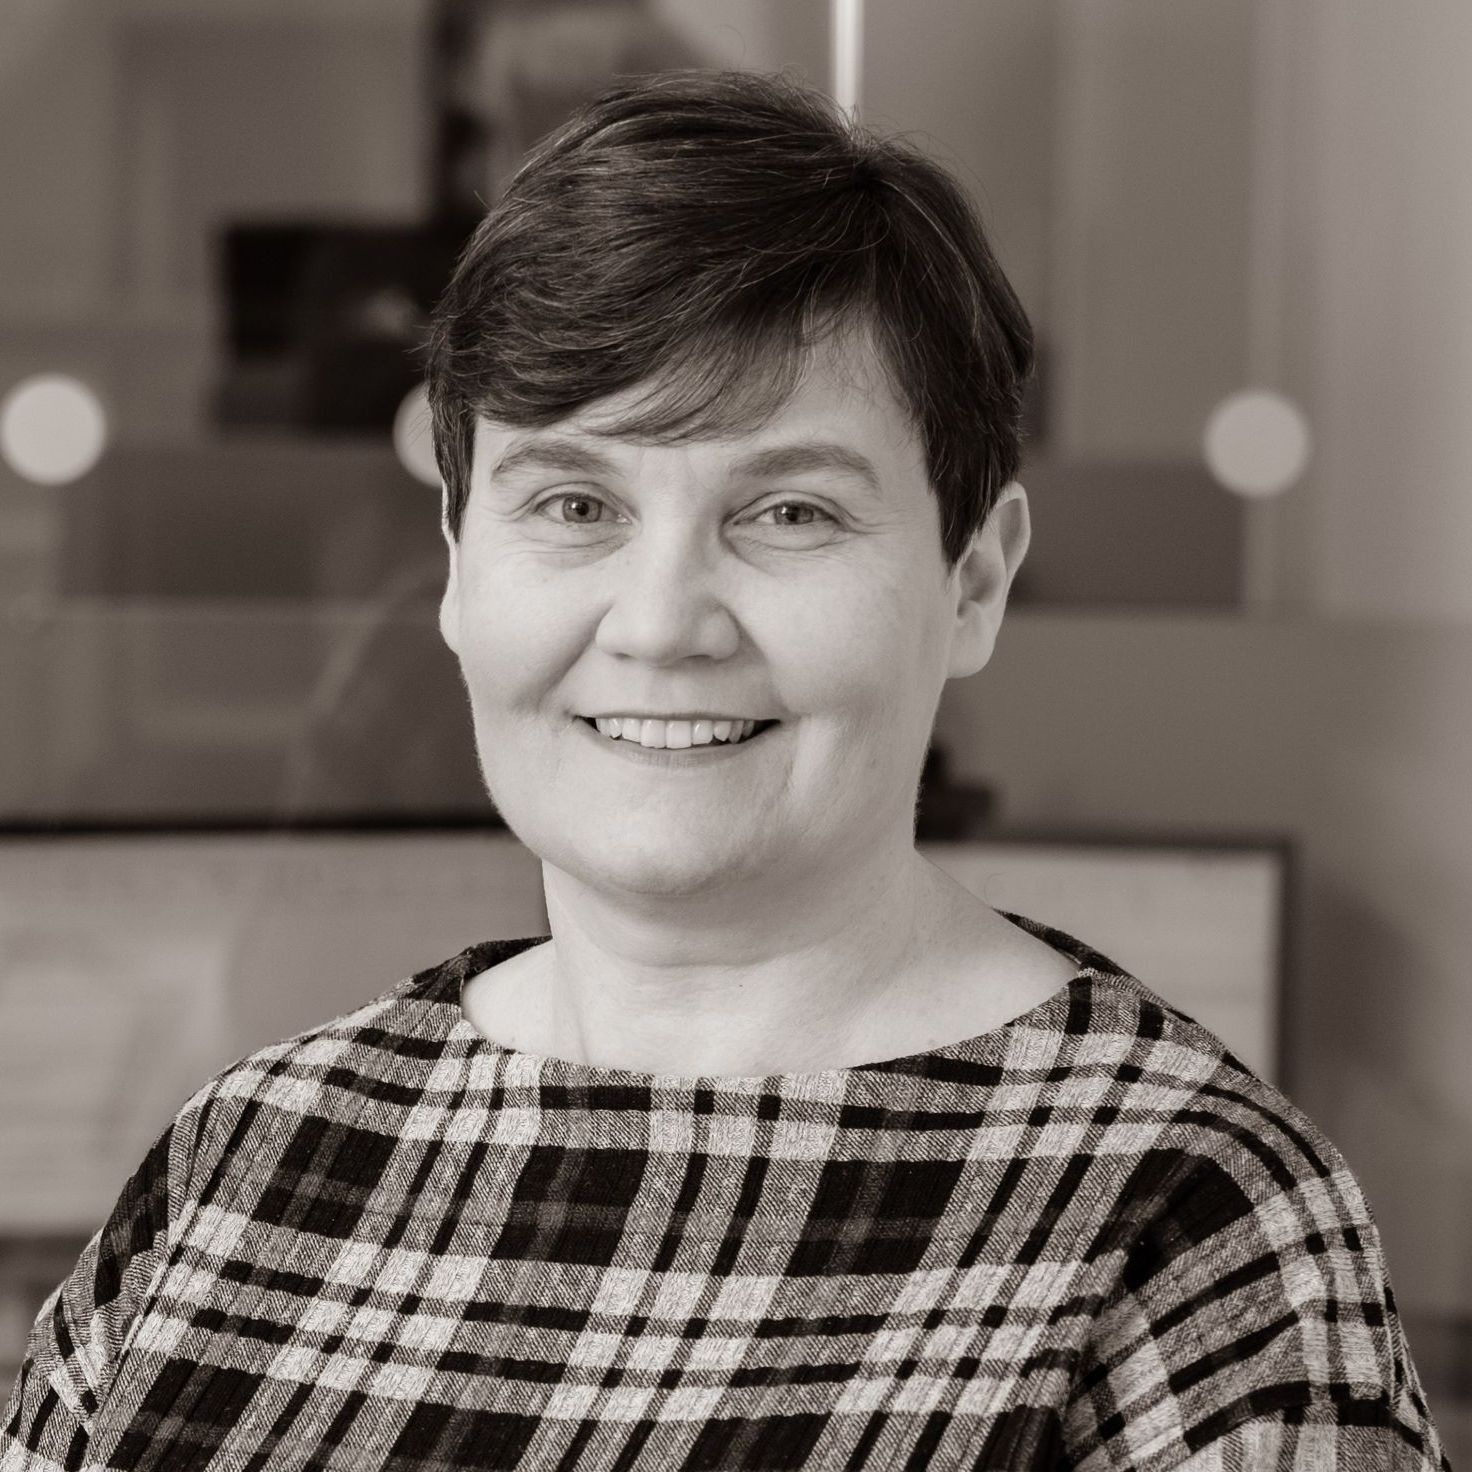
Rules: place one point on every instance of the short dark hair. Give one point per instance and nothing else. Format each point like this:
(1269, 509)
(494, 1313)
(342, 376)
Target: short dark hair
(700, 230)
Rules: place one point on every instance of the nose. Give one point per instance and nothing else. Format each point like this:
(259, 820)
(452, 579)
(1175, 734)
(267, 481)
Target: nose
(665, 603)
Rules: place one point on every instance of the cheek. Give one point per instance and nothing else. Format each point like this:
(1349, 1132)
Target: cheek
(511, 645)
(899, 684)
(882, 643)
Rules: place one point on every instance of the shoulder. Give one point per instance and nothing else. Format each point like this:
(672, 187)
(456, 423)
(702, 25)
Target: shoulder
(1251, 1296)
(1189, 1143)
(1166, 1068)
(1223, 1189)
(1249, 1279)
(1207, 1139)
(1215, 1114)
(361, 1071)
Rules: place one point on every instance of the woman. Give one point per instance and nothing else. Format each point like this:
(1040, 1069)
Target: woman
(782, 1150)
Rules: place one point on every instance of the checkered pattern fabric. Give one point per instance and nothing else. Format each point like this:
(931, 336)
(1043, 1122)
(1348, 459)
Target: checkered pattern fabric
(1089, 1239)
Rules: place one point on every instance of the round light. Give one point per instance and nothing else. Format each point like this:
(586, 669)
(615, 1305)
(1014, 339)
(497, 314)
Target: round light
(1257, 442)
(413, 442)
(52, 429)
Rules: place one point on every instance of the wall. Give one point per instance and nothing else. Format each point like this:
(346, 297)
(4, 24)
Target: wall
(976, 87)
(1108, 148)
(1378, 322)
(133, 130)
(1340, 711)
(1351, 736)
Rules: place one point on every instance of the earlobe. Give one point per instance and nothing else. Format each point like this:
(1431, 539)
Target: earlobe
(450, 600)
(450, 613)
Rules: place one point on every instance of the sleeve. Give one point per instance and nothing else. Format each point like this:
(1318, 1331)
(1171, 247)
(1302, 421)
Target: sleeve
(1253, 1326)
(83, 1328)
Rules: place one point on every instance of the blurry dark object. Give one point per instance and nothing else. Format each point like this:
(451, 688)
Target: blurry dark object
(947, 811)
(458, 161)
(504, 73)
(324, 322)
(31, 1265)
(1145, 532)
(325, 319)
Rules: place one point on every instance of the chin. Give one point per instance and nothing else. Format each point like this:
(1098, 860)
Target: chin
(657, 871)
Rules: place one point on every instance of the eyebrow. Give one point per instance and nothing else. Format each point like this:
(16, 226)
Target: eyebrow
(560, 453)
(551, 453)
(803, 455)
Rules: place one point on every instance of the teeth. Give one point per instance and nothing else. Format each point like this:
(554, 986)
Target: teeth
(674, 734)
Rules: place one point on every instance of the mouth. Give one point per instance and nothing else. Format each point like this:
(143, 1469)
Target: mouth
(716, 742)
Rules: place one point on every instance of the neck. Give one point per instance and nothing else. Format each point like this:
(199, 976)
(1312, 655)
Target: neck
(800, 989)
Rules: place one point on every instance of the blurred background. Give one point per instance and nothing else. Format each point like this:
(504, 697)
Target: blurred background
(1225, 733)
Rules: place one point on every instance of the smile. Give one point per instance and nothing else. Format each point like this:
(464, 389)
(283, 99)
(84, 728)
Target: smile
(672, 757)
(674, 735)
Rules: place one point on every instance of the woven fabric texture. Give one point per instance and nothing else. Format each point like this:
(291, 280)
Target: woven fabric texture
(1091, 1238)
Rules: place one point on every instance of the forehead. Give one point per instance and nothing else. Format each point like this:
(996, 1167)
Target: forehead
(843, 401)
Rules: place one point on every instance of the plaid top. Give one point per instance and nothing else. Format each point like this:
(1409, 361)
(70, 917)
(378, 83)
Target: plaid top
(1090, 1238)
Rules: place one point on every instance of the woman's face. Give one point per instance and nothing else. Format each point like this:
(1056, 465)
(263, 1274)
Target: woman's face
(794, 574)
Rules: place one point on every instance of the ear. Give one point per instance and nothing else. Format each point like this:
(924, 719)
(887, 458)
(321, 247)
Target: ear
(450, 601)
(983, 578)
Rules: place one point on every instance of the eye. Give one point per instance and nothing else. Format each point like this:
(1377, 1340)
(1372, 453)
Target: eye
(796, 506)
(585, 500)
(576, 498)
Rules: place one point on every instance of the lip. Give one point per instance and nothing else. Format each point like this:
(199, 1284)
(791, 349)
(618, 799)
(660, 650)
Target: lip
(649, 715)
(672, 758)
